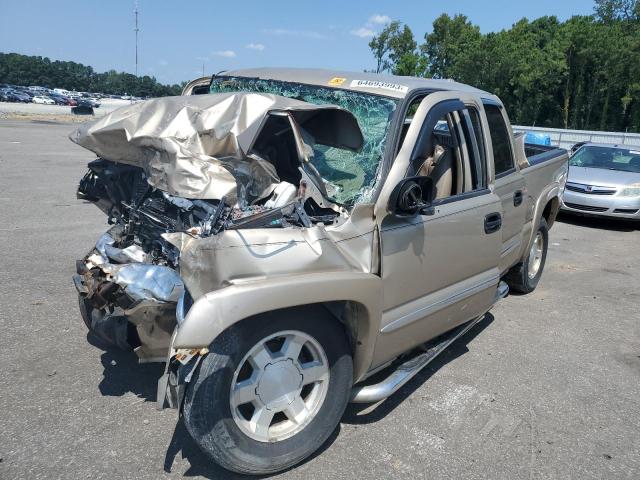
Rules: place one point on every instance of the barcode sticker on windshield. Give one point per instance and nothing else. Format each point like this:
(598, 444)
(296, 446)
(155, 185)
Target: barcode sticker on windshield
(382, 85)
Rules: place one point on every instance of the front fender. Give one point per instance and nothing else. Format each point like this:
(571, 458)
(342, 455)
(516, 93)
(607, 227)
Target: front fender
(216, 311)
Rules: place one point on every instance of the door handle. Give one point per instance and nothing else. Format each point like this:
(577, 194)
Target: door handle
(517, 198)
(492, 222)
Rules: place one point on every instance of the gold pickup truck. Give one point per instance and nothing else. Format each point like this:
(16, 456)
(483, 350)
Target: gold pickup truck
(280, 235)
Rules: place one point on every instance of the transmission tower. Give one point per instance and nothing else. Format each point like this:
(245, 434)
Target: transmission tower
(136, 29)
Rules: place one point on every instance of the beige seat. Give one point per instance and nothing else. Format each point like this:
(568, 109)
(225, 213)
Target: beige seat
(439, 167)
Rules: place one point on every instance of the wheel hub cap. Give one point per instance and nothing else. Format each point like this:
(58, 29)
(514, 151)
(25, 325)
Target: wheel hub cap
(535, 255)
(279, 385)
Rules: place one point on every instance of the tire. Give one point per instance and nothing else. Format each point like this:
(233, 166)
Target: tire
(521, 278)
(223, 436)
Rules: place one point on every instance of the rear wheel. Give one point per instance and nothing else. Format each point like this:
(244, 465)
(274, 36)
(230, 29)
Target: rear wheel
(271, 391)
(525, 276)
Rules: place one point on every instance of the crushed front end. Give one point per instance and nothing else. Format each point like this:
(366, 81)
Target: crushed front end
(129, 284)
(176, 171)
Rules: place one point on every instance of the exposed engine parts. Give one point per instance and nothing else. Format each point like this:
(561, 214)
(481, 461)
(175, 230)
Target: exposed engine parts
(128, 283)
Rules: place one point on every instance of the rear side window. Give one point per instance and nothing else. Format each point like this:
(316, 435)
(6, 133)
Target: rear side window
(502, 156)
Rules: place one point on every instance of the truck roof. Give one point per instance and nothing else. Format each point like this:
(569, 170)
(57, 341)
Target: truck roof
(382, 84)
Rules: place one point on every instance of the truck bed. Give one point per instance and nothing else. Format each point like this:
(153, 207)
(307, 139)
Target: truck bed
(541, 153)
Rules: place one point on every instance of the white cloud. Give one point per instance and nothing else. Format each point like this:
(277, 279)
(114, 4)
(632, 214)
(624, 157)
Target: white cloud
(363, 32)
(255, 46)
(162, 62)
(283, 32)
(225, 53)
(378, 19)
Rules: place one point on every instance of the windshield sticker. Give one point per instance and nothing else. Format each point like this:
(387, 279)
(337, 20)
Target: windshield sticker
(337, 81)
(382, 85)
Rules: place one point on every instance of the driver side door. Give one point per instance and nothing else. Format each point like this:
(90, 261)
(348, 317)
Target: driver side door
(439, 267)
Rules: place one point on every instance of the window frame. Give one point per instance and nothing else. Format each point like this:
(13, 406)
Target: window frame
(464, 127)
(490, 103)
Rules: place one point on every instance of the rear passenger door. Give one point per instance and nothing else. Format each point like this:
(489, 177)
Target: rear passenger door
(509, 182)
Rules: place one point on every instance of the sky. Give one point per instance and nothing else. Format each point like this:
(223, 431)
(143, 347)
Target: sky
(176, 39)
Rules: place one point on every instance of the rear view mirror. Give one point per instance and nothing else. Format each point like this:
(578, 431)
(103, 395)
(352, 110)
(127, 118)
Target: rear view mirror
(412, 196)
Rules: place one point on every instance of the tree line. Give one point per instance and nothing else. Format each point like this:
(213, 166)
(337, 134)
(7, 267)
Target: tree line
(28, 70)
(583, 73)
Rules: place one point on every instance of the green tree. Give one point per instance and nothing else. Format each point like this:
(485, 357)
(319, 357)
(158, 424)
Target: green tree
(395, 50)
(582, 73)
(30, 70)
(617, 10)
(449, 47)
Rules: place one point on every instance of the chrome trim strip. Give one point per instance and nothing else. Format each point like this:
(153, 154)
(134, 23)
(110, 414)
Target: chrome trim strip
(439, 305)
(515, 242)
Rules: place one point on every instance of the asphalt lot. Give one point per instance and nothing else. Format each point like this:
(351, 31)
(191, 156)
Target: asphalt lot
(548, 387)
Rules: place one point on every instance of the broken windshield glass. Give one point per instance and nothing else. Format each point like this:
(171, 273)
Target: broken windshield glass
(351, 175)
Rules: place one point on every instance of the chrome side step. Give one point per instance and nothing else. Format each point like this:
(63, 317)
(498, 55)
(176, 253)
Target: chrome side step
(406, 371)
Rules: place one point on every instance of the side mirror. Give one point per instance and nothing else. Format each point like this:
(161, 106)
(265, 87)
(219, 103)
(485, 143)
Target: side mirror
(412, 196)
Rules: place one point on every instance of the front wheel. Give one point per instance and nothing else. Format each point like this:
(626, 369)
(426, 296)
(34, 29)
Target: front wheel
(525, 276)
(271, 391)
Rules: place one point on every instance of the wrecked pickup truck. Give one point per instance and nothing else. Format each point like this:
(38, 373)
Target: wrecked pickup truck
(282, 238)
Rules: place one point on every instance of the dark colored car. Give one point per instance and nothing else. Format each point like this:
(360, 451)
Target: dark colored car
(25, 93)
(62, 99)
(83, 107)
(59, 99)
(15, 96)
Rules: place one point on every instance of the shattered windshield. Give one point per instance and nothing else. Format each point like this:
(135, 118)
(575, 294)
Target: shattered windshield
(352, 175)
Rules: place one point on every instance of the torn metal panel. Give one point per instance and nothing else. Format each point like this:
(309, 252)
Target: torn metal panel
(199, 147)
(236, 256)
(143, 281)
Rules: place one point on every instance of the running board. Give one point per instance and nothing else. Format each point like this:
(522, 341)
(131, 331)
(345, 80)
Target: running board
(406, 371)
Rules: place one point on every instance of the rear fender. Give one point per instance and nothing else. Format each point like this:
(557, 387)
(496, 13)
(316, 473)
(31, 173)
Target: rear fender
(550, 194)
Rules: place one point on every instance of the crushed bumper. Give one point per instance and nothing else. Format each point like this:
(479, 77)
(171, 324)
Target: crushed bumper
(132, 305)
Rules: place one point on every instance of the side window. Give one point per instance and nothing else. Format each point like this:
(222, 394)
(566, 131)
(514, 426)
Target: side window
(502, 155)
(452, 159)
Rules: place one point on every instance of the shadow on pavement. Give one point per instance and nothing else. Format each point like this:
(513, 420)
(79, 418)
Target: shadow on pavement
(201, 465)
(355, 412)
(122, 374)
(600, 223)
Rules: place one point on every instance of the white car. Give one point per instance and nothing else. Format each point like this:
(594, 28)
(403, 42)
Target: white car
(42, 99)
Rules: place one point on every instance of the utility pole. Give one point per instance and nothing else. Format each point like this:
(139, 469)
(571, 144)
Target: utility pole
(136, 29)
(203, 69)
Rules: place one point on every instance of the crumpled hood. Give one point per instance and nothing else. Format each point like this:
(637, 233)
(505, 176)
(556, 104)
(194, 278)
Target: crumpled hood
(197, 146)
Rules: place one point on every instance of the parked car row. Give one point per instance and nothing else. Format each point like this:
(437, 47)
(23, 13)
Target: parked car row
(22, 95)
(55, 96)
